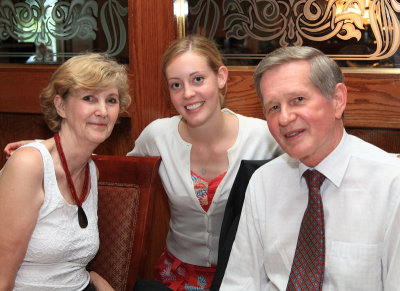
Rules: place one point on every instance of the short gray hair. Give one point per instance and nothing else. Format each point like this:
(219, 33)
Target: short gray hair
(324, 72)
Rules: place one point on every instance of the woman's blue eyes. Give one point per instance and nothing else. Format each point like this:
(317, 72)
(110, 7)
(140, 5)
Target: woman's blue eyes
(197, 79)
(89, 98)
(113, 100)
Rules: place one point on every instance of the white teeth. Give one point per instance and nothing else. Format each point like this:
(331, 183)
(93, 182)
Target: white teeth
(194, 106)
(292, 134)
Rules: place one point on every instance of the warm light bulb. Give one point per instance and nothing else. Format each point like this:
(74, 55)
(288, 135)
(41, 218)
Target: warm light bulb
(181, 8)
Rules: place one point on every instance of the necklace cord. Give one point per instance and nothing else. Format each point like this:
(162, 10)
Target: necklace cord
(68, 174)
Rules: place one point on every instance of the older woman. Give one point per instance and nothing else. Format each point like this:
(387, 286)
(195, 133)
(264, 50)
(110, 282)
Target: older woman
(48, 190)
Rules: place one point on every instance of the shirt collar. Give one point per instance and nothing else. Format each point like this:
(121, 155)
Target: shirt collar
(334, 166)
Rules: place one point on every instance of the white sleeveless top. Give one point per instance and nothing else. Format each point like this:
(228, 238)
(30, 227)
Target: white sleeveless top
(59, 249)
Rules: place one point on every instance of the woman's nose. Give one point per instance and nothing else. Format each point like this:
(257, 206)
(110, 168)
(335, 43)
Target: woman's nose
(188, 91)
(101, 109)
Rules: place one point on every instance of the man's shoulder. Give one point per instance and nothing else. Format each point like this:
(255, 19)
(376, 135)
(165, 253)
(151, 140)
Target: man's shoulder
(371, 154)
(280, 166)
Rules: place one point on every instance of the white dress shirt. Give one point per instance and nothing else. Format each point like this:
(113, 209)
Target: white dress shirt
(361, 196)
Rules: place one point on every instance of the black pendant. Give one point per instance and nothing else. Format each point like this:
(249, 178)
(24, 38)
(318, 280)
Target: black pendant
(83, 222)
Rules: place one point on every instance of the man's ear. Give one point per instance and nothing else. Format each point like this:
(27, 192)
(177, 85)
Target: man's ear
(59, 105)
(222, 76)
(340, 99)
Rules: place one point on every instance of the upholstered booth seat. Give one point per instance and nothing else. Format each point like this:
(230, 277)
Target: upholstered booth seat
(129, 191)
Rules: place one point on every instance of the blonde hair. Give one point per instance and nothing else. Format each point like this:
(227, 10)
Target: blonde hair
(199, 45)
(92, 72)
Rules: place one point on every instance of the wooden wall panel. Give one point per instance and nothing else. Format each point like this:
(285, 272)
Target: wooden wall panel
(241, 96)
(14, 127)
(21, 85)
(374, 100)
(154, 29)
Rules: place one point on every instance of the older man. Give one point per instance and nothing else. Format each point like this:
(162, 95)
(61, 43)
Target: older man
(324, 215)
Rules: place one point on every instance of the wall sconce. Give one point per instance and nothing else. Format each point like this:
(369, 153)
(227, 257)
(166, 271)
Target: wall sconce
(181, 10)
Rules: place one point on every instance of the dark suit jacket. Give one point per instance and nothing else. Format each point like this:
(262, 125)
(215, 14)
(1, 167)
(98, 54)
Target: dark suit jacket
(232, 215)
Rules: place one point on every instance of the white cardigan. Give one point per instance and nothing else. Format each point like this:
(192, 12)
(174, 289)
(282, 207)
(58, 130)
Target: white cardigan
(194, 234)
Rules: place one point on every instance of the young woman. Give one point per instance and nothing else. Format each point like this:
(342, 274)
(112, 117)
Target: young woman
(201, 151)
(48, 190)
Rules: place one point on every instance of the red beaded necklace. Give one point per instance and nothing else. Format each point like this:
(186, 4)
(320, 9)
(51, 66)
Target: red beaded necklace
(83, 222)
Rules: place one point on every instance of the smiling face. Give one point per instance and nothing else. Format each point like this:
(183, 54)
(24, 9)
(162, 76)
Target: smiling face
(89, 115)
(194, 87)
(306, 125)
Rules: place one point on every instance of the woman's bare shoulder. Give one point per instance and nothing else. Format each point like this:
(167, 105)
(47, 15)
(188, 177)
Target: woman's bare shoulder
(25, 162)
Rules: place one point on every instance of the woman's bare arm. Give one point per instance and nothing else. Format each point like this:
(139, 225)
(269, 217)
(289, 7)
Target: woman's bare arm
(99, 282)
(21, 196)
